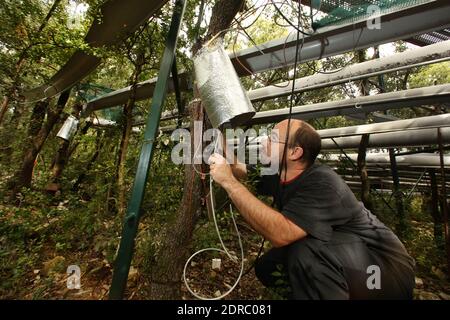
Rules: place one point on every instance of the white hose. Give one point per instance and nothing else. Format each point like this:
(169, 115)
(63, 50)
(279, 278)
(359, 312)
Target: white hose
(219, 250)
(224, 250)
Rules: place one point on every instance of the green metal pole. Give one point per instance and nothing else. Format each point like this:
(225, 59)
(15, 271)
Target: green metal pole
(131, 221)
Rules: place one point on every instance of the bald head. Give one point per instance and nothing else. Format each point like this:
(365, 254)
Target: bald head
(301, 134)
(282, 127)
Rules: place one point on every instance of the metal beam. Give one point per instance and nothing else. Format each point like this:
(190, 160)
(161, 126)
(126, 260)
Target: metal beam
(410, 138)
(398, 195)
(144, 90)
(386, 183)
(375, 116)
(414, 160)
(390, 126)
(131, 220)
(118, 20)
(362, 104)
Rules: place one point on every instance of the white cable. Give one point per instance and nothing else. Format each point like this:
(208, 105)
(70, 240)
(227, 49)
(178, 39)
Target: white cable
(224, 250)
(215, 221)
(219, 250)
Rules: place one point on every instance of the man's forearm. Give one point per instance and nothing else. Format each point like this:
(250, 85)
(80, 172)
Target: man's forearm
(268, 222)
(239, 170)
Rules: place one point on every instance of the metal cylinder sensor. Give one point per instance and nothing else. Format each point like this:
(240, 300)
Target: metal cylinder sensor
(68, 129)
(223, 96)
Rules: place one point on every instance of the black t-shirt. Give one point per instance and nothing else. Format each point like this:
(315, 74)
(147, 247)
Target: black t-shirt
(320, 202)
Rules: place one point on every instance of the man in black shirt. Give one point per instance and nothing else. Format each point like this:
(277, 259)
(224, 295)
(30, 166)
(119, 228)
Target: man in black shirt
(326, 242)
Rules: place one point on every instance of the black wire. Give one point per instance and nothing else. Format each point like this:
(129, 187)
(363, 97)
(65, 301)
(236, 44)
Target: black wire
(291, 105)
(256, 259)
(284, 160)
(288, 21)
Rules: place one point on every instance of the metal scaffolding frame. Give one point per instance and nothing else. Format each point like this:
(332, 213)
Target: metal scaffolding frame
(399, 61)
(124, 17)
(399, 99)
(118, 20)
(408, 138)
(329, 41)
(390, 126)
(421, 160)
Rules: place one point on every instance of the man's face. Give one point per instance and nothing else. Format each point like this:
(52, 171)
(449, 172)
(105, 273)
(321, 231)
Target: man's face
(277, 140)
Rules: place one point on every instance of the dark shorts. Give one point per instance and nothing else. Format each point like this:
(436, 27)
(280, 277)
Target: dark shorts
(342, 268)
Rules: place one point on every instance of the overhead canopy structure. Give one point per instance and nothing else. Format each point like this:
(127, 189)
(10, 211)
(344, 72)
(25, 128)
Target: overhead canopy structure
(386, 186)
(345, 11)
(144, 90)
(417, 57)
(362, 104)
(118, 20)
(329, 41)
(421, 56)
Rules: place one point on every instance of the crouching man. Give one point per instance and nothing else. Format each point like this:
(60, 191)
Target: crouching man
(326, 242)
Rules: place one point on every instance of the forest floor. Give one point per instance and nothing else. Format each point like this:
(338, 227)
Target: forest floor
(38, 241)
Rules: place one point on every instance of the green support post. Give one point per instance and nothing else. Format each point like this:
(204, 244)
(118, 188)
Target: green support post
(131, 221)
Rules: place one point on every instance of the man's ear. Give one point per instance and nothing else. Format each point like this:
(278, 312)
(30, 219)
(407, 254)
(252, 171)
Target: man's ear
(296, 153)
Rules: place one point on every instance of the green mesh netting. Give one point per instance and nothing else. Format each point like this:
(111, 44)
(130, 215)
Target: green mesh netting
(113, 114)
(349, 11)
(89, 91)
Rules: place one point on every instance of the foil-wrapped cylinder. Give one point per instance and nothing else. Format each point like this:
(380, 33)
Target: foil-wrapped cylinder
(68, 129)
(223, 96)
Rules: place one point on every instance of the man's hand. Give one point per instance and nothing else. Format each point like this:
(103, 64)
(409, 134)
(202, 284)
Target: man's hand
(220, 170)
(270, 223)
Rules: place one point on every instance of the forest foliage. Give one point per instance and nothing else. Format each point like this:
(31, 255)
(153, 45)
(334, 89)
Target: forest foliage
(43, 229)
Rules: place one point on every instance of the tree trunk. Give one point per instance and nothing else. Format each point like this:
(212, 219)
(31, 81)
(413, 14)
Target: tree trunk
(170, 257)
(60, 161)
(127, 123)
(401, 226)
(126, 133)
(165, 279)
(99, 143)
(23, 176)
(4, 107)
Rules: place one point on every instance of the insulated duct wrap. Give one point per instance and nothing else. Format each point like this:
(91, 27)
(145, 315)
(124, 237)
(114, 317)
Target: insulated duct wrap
(222, 94)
